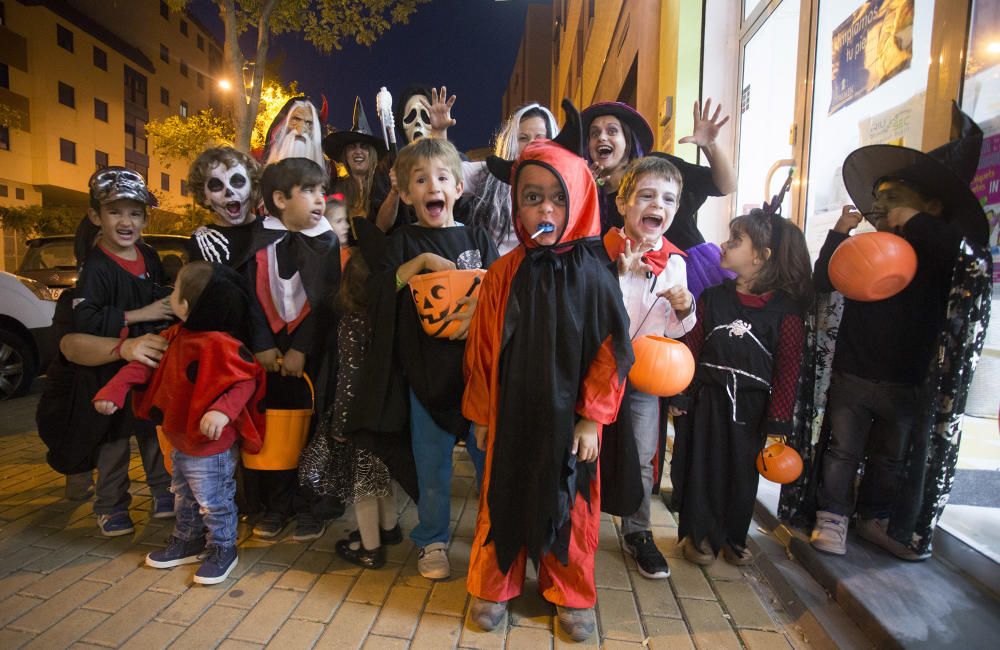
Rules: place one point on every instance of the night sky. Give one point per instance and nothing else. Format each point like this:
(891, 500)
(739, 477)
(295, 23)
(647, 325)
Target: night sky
(468, 45)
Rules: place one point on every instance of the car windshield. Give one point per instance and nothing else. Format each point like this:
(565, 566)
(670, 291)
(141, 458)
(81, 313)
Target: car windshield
(49, 255)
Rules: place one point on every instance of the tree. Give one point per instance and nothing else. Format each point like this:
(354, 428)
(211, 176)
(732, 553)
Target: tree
(35, 220)
(324, 23)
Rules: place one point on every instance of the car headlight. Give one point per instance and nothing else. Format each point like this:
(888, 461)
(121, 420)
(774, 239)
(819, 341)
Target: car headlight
(41, 291)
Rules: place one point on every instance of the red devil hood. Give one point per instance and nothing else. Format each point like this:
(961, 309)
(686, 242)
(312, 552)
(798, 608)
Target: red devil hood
(583, 214)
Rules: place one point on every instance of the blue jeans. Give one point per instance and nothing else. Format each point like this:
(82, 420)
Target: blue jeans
(432, 447)
(204, 490)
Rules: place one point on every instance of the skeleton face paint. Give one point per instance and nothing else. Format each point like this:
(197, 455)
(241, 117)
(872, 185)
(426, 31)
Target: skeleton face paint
(416, 118)
(227, 193)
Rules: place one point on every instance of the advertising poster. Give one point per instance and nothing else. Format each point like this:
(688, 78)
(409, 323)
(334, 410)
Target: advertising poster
(873, 45)
(901, 125)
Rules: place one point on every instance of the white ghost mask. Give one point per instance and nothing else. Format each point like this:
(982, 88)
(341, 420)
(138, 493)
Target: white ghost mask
(416, 118)
(227, 194)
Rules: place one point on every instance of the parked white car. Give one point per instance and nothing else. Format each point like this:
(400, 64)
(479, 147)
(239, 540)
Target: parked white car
(27, 340)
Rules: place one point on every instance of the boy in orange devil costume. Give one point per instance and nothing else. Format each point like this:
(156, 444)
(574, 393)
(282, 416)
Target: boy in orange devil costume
(545, 363)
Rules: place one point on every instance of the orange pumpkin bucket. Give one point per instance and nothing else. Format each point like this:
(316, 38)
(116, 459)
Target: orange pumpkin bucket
(779, 463)
(872, 266)
(436, 296)
(285, 434)
(663, 367)
(166, 448)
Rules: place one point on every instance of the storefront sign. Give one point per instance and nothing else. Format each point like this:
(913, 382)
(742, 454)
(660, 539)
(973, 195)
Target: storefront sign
(873, 45)
(901, 125)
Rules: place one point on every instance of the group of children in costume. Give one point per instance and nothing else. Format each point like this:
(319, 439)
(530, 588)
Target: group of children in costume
(534, 379)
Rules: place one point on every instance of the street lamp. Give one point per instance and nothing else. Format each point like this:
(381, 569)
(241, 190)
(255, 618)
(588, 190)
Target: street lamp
(225, 85)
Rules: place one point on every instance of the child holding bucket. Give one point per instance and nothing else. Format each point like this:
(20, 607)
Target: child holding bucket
(204, 395)
(747, 345)
(428, 377)
(653, 277)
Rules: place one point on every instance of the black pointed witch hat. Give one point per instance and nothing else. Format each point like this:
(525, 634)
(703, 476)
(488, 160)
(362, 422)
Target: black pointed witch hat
(944, 173)
(570, 137)
(361, 131)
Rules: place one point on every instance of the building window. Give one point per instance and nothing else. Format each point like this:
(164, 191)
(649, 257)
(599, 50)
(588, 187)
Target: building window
(3, 14)
(64, 38)
(184, 108)
(4, 139)
(164, 96)
(135, 87)
(67, 96)
(5, 76)
(184, 68)
(164, 53)
(201, 80)
(135, 135)
(100, 159)
(184, 27)
(184, 187)
(100, 110)
(100, 58)
(19, 193)
(164, 182)
(201, 42)
(164, 10)
(4, 192)
(67, 151)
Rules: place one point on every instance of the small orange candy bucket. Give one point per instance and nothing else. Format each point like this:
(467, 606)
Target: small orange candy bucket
(285, 435)
(779, 463)
(436, 295)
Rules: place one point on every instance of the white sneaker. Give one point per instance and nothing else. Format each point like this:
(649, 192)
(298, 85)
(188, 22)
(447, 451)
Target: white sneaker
(830, 533)
(432, 561)
(876, 532)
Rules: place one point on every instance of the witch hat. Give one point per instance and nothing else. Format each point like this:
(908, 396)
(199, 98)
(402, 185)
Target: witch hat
(626, 115)
(944, 173)
(570, 138)
(361, 131)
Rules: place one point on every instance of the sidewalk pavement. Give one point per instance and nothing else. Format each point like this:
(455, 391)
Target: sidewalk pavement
(63, 585)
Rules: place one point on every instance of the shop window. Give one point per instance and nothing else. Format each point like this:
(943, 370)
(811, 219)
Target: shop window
(19, 193)
(184, 108)
(164, 10)
(184, 27)
(100, 58)
(201, 42)
(4, 76)
(67, 151)
(165, 182)
(100, 159)
(64, 38)
(164, 53)
(4, 139)
(164, 96)
(100, 110)
(67, 95)
(184, 68)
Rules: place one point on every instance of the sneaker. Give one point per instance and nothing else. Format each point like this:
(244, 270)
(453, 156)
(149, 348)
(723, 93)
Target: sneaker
(876, 532)
(432, 561)
(163, 507)
(579, 624)
(115, 524)
(357, 554)
(830, 533)
(217, 563)
(176, 553)
(737, 556)
(308, 527)
(390, 537)
(486, 613)
(270, 525)
(648, 558)
(700, 554)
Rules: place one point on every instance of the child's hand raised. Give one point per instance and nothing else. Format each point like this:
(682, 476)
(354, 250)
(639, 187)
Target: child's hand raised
(631, 260)
(586, 444)
(105, 406)
(212, 424)
(706, 129)
(293, 364)
(464, 317)
(440, 112)
(269, 359)
(680, 299)
(848, 220)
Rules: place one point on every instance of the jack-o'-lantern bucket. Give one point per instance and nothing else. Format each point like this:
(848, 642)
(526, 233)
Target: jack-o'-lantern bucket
(872, 266)
(436, 297)
(779, 463)
(285, 434)
(663, 367)
(166, 448)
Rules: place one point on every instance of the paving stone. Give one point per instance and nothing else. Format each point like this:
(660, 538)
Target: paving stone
(373, 586)
(304, 571)
(401, 612)
(610, 570)
(284, 554)
(55, 582)
(44, 615)
(324, 598)
(761, 640)
(612, 644)
(529, 637)
(233, 644)
(191, 605)
(251, 587)
(296, 634)
(618, 614)
(21, 558)
(655, 597)
(119, 567)
(250, 553)
(709, 626)
(667, 633)
(744, 606)
(341, 566)
(267, 617)
(376, 642)
(349, 627)
(14, 606)
(666, 540)
(689, 581)
(459, 551)
(448, 597)
(401, 552)
(176, 580)
(13, 639)
(530, 609)
(12, 583)
(436, 632)
(153, 636)
(608, 539)
(474, 637)
(409, 574)
(124, 591)
(209, 630)
(68, 630)
(129, 619)
(722, 570)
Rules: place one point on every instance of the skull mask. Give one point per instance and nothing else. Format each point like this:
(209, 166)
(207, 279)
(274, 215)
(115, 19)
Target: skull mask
(227, 193)
(416, 118)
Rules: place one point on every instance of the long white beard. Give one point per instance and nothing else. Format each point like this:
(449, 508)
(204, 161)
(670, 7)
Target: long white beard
(292, 147)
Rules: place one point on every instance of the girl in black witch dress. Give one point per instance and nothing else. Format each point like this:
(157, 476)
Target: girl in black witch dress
(747, 346)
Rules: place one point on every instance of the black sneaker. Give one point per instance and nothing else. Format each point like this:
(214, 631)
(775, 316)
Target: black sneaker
(218, 562)
(270, 525)
(308, 527)
(357, 554)
(176, 553)
(648, 558)
(389, 537)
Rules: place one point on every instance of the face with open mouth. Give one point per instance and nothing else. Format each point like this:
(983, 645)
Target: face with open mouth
(121, 224)
(607, 142)
(303, 209)
(432, 191)
(227, 195)
(416, 118)
(541, 202)
(650, 208)
(893, 194)
(357, 157)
